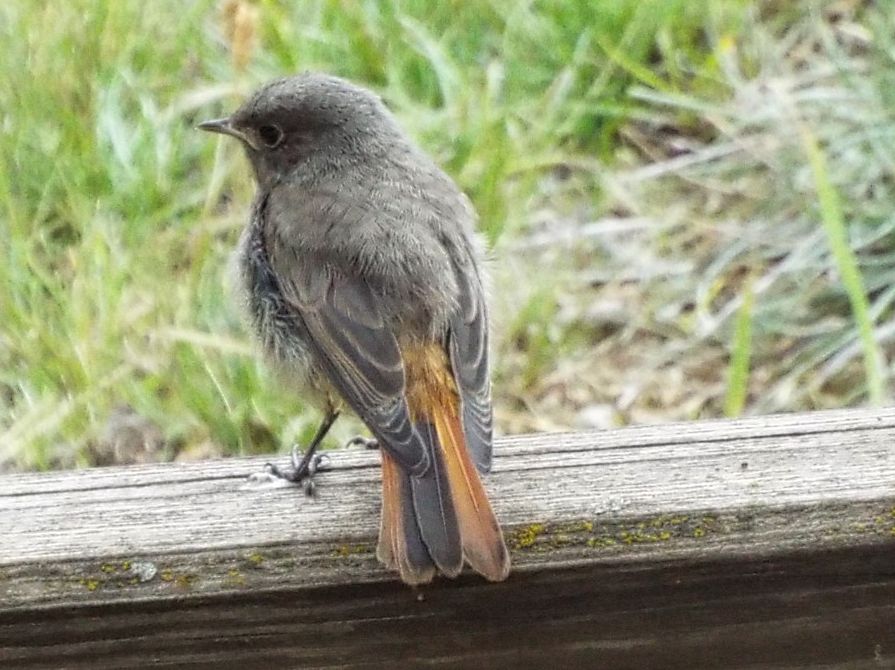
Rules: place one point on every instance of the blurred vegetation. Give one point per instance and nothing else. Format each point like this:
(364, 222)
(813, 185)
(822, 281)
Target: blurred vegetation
(691, 204)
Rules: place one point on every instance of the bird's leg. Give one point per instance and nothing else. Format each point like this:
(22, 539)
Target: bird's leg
(365, 442)
(305, 464)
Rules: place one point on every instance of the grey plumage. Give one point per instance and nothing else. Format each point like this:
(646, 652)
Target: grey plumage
(360, 248)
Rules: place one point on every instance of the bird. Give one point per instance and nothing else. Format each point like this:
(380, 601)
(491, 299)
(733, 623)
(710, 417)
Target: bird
(364, 280)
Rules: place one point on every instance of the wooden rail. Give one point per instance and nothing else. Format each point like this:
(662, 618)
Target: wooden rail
(757, 543)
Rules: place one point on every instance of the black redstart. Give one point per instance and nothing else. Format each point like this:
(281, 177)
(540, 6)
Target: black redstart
(364, 283)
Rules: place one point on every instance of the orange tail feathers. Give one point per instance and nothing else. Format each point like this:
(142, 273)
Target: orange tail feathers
(424, 519)
(400, 545)
(483, 545)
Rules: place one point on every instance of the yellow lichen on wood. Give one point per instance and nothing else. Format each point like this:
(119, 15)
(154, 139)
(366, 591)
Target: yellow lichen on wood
(594, 535)
(526, 537)
(348, 550)
(90, 583)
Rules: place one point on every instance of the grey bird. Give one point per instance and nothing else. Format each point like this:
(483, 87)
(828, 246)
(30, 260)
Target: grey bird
(364, 281)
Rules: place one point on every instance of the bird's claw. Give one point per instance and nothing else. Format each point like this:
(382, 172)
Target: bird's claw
(365, 442)
(304, 466)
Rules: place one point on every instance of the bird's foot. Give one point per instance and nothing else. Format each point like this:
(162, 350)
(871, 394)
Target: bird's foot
(304, 466)
(365, 442)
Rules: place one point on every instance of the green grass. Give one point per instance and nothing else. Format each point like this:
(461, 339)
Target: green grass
(117, 219)
(846, 264)
(740, 354)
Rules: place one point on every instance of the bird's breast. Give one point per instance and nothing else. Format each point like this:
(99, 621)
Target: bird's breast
(282, 336)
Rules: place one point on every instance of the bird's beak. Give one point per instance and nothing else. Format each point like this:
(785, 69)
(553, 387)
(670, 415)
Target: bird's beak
(225, 127)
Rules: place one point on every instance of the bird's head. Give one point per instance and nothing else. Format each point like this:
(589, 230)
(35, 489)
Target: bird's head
(296, 118)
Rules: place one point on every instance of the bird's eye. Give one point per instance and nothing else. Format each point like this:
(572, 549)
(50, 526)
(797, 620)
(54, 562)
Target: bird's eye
(270, 135)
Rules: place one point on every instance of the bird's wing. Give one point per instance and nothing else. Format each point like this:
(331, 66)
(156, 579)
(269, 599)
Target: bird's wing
(468, 348)
(358, 352)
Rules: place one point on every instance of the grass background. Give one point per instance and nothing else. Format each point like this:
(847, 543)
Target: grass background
(691, 207)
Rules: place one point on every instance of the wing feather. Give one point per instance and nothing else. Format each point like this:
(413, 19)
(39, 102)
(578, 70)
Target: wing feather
(468, 348)
(359, 353)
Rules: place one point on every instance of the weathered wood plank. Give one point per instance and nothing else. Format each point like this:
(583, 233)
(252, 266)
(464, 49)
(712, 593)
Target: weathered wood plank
(795, 612)
(765, 542)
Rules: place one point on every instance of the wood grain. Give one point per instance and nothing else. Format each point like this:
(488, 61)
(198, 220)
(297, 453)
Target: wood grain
(757, 543)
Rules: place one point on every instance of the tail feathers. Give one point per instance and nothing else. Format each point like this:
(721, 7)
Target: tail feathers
(434, 508)
(443, 517)
(401, 546)
(483, 545)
